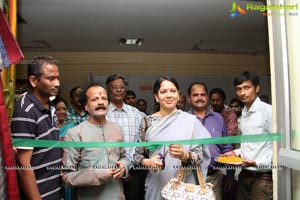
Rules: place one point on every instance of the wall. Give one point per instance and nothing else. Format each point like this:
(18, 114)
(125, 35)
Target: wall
(143, 68)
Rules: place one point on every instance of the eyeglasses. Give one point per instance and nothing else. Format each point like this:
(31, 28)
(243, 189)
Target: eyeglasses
(117, 87)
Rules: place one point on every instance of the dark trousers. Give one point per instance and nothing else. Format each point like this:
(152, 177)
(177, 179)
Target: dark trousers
(254, 185)
(231, 194)
(134, 188)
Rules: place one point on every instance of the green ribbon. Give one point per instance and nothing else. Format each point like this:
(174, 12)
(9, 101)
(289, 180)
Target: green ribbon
(18, 142)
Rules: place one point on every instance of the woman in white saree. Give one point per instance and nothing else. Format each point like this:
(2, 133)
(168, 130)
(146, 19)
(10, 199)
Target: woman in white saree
(170, 124)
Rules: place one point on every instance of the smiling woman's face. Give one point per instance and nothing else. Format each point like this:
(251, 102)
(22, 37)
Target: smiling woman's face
(61, 111)
(167, 96)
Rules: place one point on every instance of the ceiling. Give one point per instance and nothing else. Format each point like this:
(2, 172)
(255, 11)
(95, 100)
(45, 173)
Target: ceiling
(167, 26)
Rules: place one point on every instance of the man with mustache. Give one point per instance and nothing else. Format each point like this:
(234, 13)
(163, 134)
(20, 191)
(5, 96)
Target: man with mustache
(95, 173)
(129, 118)
(214, 123)
(130, 98)
(33, 118)
(217, 99)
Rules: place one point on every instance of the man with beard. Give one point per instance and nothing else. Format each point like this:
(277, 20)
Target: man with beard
(95, 173)
(217, 101)
(215, 125)
(33, 118)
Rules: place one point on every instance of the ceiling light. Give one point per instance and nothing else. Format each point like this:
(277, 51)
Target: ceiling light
(136, 41)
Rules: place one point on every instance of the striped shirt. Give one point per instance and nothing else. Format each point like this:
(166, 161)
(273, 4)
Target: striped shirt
(129, 118)
(31, 120)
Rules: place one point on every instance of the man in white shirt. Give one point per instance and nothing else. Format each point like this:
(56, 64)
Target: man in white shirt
(255, 179)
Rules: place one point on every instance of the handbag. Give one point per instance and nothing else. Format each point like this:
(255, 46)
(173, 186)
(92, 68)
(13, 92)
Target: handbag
(176, 189)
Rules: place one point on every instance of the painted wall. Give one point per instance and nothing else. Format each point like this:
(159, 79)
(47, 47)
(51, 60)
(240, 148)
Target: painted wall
(143, 68)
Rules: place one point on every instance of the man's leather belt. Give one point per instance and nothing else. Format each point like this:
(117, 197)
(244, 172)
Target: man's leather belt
(267, 176)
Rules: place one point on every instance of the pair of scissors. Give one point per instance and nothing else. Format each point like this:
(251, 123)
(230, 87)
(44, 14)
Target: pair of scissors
(163, 157)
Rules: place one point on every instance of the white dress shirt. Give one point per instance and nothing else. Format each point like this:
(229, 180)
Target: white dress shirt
(257, 120)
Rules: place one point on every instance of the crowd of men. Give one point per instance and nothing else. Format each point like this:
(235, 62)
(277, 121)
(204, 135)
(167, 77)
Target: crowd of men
(111, 113)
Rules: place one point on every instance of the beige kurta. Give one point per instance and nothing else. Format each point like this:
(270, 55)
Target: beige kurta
(86, 169)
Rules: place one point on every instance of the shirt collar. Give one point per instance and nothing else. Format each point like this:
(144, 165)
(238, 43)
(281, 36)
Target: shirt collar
(38, 104)
(254, 106)
(113, 108)
(207, 114)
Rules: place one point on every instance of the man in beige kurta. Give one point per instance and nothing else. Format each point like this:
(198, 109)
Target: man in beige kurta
(95, 173)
